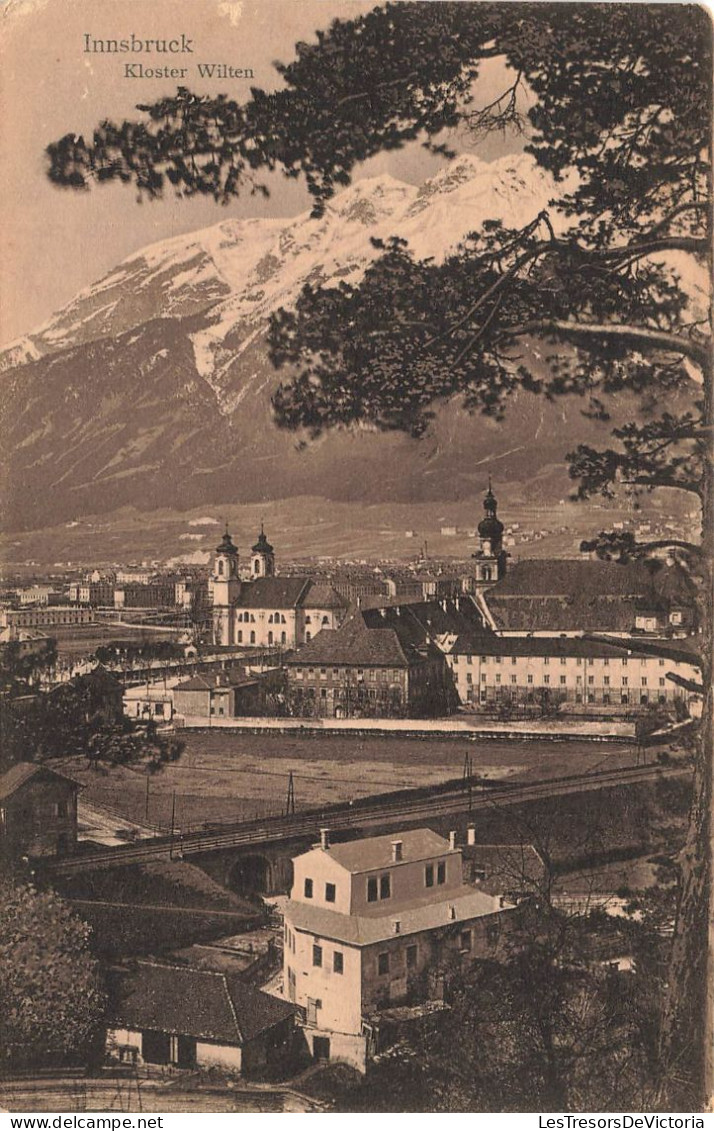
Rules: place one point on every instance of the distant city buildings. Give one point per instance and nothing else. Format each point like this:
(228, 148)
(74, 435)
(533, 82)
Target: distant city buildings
(45, 616)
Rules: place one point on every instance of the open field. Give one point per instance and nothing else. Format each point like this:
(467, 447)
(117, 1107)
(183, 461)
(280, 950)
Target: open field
(228, 777)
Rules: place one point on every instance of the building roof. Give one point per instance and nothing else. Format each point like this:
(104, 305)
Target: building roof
(390, 635)
(353, 644)
(561, 614)
(226, 545)
(569, 577)
(554, 595)
(684, 650)
(211, 681)
(420, 915)
(569, 646)
(505, 867)
(322, 595)
(23, 772)
(272, 593)
(376, 851)
(197, 1003)
(415, 622)
(262, 546)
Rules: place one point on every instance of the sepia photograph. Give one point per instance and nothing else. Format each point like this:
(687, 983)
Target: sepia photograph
(356, 404)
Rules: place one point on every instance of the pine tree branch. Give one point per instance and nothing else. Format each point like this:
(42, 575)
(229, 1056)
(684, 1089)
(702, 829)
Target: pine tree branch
(639, 337)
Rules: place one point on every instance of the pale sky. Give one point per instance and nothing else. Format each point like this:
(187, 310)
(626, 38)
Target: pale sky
(54, 242)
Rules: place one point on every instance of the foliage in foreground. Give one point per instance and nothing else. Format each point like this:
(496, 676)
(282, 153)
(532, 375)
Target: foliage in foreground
(555, 1027)
(51, 997)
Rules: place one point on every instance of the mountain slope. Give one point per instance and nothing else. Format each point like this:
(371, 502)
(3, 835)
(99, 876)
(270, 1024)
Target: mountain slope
(153, 387)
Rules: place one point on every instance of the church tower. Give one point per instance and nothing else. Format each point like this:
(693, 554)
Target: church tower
(490, 558)
(226, 589)
(262, 562)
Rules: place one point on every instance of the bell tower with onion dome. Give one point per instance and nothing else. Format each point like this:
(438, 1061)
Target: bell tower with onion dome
(490, 558)
(225, 583)
(262, 561)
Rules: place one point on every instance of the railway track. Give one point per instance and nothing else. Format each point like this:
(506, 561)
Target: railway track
(469, 795)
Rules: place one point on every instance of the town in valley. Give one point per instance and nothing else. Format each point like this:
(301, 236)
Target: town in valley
(357, 779)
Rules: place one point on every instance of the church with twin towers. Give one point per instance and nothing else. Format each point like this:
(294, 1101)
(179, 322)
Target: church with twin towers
(273, 610)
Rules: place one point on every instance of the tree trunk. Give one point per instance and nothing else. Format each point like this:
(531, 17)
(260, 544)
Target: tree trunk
(687, 1038)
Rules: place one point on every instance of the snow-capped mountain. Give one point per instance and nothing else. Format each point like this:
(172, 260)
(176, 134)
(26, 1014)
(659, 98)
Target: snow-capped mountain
(153, 386)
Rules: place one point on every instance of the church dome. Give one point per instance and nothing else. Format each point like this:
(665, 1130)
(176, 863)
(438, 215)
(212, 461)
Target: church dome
(490, 526)
(226, 546)
(262, 546)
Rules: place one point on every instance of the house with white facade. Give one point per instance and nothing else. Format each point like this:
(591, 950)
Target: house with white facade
(369, 922)
(175, 1016)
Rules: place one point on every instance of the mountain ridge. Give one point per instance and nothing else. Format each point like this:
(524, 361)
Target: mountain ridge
(152, 386)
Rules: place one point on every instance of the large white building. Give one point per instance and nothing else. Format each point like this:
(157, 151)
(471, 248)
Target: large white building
(368, 921)
(269, 610)
(493, 670)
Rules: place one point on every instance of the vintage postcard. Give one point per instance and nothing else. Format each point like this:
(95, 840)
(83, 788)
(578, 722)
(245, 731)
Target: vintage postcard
(358, 509)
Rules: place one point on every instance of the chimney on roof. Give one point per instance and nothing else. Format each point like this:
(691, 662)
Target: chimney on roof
(396, 851)
(324, 838)
(452, 839)
(471, 834)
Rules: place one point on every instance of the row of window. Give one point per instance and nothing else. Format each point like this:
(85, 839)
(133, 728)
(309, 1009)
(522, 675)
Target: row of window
(271, 638)
(564, 679)
(386, 958)
(563, 660)
(43, 618)
(627, 697)
(374, 675)
(379, 887)
(386, 695)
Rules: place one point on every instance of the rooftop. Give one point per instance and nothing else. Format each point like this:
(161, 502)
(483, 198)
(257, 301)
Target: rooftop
(588, 646)
(272, 593)
(553, 595)
(213, 680)
(23, 772)
(353, 643)
(376, 851)
(197, 1003)
(462, 906)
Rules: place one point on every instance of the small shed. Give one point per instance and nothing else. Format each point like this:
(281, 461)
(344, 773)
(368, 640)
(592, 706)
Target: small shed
(38, 811)
(184, 1017)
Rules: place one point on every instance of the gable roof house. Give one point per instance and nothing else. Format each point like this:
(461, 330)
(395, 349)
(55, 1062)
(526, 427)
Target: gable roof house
(185, 1017)
(38, 812)
(379, 663)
